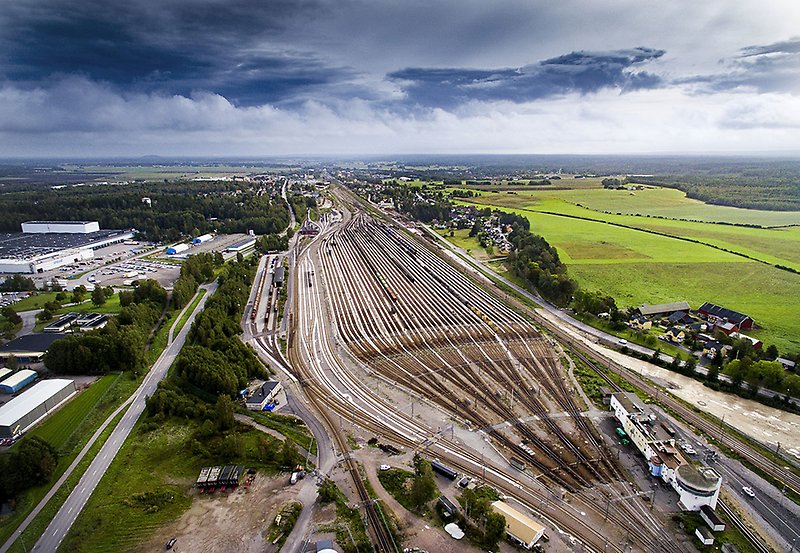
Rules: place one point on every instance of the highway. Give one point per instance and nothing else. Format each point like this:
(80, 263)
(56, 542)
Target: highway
(69, 511)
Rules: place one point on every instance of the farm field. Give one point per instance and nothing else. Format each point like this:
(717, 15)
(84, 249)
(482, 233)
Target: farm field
(653, 202)
(776, 246)
(673, 204)
(638, 267)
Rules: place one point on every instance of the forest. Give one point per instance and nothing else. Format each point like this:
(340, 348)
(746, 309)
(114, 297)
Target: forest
(176, 209)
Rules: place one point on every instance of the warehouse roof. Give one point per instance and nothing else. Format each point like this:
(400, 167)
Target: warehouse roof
(19, 376)
(58, 222)
(664, 308)
(23, 245)
(4, 372)
(31, 343)
(519, 524)
(29, 400)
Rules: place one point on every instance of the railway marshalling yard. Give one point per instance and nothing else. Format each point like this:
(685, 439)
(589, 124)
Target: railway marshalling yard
(391, 338)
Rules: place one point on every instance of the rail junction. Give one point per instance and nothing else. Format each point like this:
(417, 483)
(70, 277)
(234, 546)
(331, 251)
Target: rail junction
(368, 296)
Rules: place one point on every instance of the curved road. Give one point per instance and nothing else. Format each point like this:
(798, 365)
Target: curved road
(69, 511)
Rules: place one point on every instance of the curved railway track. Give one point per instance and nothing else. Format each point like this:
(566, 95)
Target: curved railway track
(380, 328)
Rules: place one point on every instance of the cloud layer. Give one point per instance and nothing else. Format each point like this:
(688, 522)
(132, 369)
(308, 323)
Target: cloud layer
(317, 76)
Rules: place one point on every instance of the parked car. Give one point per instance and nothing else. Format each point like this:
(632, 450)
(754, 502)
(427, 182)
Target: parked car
(171, 543)
(385, 467)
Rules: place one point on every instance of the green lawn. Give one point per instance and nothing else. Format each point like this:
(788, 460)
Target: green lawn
(34, 302)
(59, 428)
(463, 240)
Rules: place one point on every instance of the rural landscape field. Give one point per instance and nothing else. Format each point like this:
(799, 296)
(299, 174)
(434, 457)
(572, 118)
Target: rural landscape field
(655, 245)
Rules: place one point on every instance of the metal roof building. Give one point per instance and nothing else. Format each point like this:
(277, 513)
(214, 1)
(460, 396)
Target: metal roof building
(29, 348)
(4, 372)
(17, 381)
(29, 407)
(519, 526)
(664, 308)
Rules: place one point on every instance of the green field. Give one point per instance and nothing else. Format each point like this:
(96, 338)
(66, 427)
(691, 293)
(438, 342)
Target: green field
(638, 259)
(60, 427)
(470, 244)
(34, 302)
(153, 463)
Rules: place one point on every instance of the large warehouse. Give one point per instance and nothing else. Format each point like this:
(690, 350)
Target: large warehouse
(47, 245)
(29, 407)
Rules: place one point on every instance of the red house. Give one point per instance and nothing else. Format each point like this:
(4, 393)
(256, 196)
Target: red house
(714, 313)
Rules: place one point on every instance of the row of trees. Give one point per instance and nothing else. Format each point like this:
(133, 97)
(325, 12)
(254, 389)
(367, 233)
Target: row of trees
(176, 208)
(195, 270)
(537, 262)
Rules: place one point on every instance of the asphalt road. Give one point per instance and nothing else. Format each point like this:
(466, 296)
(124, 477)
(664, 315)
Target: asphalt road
(66, 516)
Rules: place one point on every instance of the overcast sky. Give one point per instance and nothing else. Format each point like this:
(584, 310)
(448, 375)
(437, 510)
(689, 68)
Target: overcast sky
(273, 77)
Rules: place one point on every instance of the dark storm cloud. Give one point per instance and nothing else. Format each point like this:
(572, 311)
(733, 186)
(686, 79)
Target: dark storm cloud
(766, 68)
(576, 72)
(174, 47)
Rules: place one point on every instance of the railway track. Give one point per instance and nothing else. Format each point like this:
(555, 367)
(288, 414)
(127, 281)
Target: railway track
(364, 332)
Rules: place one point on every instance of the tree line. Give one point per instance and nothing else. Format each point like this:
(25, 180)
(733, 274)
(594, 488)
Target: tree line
(176, 209)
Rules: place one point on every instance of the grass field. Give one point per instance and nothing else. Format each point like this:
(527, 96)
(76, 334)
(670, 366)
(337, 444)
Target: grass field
(188, 312)
(463, 240)
(62, 425)
(34, 302)
(154, 463)
(615, 254)
(673, 204)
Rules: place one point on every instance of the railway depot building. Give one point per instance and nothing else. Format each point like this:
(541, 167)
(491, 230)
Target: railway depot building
(696, 487)
(31, 406)
(46, 245)
(520, 527)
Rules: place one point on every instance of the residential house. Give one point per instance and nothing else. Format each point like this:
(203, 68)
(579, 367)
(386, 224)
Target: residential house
(675, 334)
(788, 364)
(641, 323)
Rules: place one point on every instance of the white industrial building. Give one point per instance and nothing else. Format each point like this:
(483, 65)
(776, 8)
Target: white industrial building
(31, 406)
(60, 227)
(695, 486)
(46, 245)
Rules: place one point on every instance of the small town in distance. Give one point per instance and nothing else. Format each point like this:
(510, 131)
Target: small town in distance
(384, 365)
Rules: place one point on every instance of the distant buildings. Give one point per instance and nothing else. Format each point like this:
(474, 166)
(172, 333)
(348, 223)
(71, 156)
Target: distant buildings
(46, 245)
